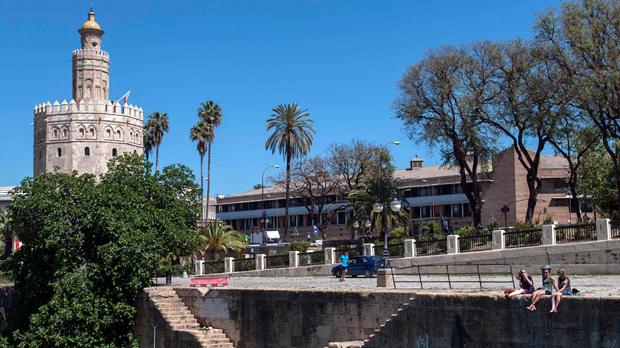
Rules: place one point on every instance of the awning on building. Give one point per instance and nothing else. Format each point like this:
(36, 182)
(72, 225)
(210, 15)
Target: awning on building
(273, 234)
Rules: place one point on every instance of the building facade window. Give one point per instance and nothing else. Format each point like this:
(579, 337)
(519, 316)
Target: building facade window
(114, 152)
(87, 151)
(59, 152)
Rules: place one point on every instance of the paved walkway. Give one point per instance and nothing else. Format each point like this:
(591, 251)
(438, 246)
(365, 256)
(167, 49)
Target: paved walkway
(591, 285)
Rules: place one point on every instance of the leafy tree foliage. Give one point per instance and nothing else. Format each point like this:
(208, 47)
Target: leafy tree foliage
(354, 162)
(210, 114)
(442, 100)
(91, 246)
(219, 239)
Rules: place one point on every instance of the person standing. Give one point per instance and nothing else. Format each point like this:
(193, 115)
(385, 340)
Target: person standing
(344, 264)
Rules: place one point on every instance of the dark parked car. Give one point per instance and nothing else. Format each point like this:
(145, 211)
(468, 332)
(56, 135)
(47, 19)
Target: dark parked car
(361, 265)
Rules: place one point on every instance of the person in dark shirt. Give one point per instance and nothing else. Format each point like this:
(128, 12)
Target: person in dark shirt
(526, 284)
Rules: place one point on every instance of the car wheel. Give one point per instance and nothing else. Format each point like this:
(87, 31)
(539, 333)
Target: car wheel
(338, 274)
(368, 273)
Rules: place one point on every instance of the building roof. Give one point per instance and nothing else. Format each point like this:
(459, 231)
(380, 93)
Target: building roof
(91, 23)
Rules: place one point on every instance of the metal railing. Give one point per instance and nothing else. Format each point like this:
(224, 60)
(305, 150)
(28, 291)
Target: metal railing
(575, 233)
(277, 261)
(213, 267)
(312, 258)
(357, 251)
(525, 238)
(615, 229)
(476, 243)
(429, 273)
(431, 247)
(396, 250)
(248, 264)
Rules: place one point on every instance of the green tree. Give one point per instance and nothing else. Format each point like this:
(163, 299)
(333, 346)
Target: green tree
(5, 232)
(441, 103)
(158, 125)
(291, 136)
(584, 37)
(200, 133)
(90, 247)
(531, 95)
(380, 188)
(219, 239)
(211, 114)
(596, 184)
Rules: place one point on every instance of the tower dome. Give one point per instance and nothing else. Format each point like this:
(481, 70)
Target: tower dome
(90, 23)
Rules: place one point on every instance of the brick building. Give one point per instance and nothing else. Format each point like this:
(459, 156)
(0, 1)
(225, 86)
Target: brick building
(432, 193)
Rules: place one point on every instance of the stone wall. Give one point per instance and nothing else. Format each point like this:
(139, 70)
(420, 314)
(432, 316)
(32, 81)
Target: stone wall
(255, 318)
(492, 321)
(313, 318)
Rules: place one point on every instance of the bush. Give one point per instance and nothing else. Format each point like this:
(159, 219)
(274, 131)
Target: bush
(301, 246)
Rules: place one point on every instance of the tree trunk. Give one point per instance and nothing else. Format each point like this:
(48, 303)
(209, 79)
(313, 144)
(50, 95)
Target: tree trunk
(531, 200)
(156, 157)
(208, 181)
(572, 186)
(288, 186)
(202, 189)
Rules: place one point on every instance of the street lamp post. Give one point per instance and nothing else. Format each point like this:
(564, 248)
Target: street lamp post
(262, 198)
(381, 207)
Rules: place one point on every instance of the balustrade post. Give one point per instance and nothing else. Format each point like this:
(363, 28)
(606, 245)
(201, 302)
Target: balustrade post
(499, 240)
(548, 235)
(603, 229)
(330, 256)
(229, 264)
(453, 244)
(293, 258)
(261, 262)
(409, 247)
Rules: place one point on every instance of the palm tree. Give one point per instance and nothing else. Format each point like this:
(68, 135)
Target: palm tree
(201, 133)
(158, 124)
(220, 239)
(147, 140)
(211, 113)
(291, 136)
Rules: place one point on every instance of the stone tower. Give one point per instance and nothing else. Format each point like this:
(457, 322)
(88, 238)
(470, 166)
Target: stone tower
(83, 134)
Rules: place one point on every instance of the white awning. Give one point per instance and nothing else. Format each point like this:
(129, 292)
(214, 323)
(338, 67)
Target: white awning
(273, 234)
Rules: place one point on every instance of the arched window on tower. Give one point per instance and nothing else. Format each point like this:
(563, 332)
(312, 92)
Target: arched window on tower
(108, 133)
(118, 134)
(55, 133)
(114, 153)
(59, 152)
(82, 132)
(65, 132)
(87, 151)
(92, 132)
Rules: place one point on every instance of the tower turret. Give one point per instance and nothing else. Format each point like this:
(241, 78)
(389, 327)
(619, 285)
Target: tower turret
(91, 65)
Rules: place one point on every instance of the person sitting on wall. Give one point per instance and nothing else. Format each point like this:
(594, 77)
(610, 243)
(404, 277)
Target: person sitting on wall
(344, 263)
(549, 286)
(564, 289)
(526, 284)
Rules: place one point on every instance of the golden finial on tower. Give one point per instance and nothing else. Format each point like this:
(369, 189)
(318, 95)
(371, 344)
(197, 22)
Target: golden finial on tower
(90, 23)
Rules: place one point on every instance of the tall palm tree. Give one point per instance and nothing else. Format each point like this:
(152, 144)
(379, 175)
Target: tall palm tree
(158, 124)
(147, 140)
(211, 113)
(291, 136)
(219, 239)
(200, 133)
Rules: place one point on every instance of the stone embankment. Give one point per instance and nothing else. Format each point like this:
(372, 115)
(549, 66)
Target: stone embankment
(171, 324)
(305, 318)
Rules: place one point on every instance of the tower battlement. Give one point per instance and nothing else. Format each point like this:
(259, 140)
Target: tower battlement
(99, 106)
(90, 51)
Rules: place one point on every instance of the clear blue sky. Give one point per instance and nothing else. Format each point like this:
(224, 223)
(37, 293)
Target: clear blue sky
(339, 59)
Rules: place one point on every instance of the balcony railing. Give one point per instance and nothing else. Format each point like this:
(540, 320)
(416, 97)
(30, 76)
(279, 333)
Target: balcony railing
(575, 233)
(248, 264)
(315, 258)
(476, 243)
(431, 247)
(615, 229)
(277, 261)
(524, 238)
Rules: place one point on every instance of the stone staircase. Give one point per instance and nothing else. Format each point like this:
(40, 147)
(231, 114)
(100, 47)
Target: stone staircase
(182, 322)
(376, 340)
